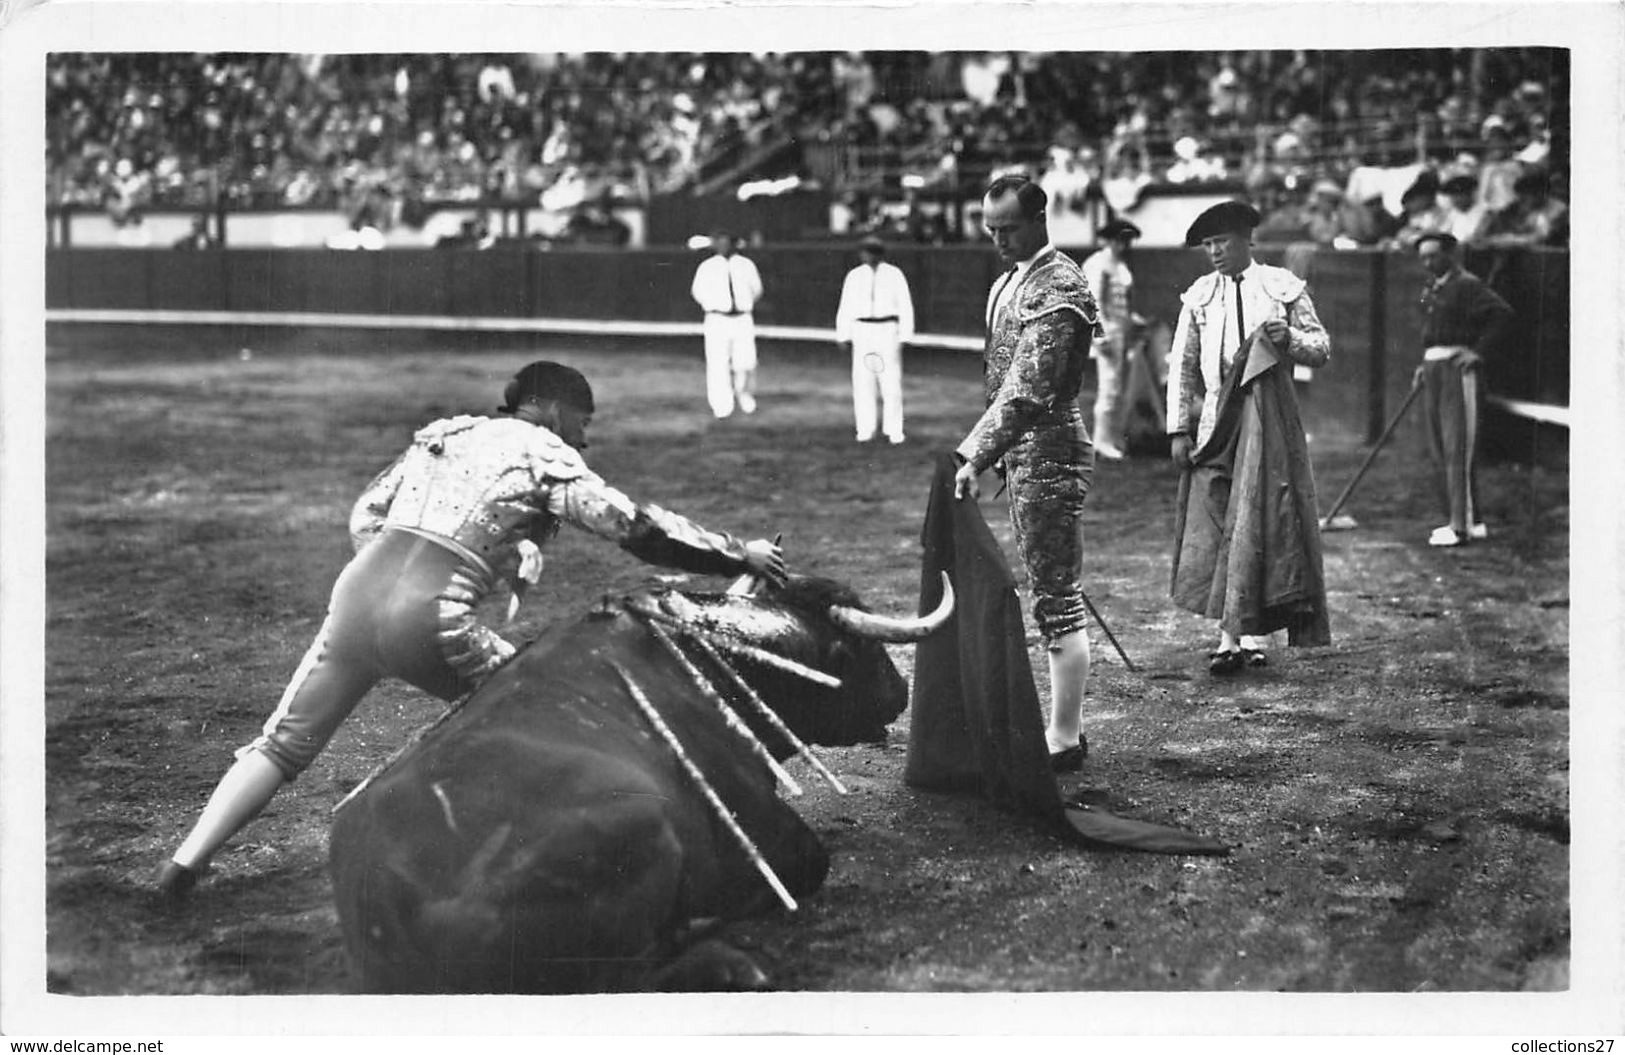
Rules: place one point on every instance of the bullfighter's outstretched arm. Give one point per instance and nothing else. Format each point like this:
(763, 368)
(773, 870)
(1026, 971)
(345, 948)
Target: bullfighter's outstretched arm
(648, 532)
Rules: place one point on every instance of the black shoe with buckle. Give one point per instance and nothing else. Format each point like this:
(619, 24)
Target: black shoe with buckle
(1069, 759)
(1224, 661)
(1255, 657)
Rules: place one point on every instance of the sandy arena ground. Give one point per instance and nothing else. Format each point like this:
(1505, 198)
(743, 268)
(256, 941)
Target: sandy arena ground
(1398, 803)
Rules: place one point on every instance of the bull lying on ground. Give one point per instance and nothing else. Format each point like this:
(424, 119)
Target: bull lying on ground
(547, 837)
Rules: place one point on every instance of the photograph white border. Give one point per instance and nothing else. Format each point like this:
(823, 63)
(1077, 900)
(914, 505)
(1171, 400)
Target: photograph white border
(1595, 1003)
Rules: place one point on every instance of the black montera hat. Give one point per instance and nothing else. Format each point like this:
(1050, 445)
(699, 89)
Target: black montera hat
(545, 380)
(1119, 229)
(1227, 217)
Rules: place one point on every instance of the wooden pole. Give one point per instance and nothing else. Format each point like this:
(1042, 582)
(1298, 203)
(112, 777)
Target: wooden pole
(1376, 365)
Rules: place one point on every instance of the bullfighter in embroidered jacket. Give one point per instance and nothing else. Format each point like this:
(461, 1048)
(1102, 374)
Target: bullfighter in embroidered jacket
(1041, 319)
(470, 502)
(1247, 542)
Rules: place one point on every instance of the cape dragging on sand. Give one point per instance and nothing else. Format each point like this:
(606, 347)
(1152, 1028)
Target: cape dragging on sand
(976, 724)
(1246, 534)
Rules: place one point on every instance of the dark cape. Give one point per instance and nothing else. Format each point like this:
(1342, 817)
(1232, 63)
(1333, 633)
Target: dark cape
(1246, 530)
(976, 724)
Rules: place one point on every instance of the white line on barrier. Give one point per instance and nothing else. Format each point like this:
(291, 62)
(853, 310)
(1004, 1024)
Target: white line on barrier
(471, 323)
(1543, 412)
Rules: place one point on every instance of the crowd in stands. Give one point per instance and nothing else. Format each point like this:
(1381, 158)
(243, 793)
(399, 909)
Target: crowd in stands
(382, 134)
(1328, 144)
(1339, 148)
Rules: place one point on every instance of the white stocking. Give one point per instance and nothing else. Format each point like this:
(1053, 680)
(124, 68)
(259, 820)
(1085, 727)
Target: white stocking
(239, 797)
(1068, 677)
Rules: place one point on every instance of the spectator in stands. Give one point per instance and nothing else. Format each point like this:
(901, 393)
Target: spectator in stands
(1069, 172)
(727, 287)
(474, 233)
(1464, 323)
(594, 223)
(1464, 218)
(198, 237)
(1421, 213)
(1366, 222)
(1327, 213)
(1285, 210)
(264, 128)
(1500, 170)
(873, 321)
(1533, 218)
(1192, 165)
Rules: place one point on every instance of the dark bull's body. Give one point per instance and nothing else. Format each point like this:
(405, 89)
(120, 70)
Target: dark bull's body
(545, 838)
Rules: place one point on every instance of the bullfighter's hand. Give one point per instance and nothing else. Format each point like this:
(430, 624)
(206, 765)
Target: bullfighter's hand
(966, 482)
(1180, 450)
(766, 559)
(1468, 360)
(1278, 334)
(530, 561)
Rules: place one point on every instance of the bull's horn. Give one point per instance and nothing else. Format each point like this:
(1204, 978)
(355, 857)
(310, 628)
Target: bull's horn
(888, 628)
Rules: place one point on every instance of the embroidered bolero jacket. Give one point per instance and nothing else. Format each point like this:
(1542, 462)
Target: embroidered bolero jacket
(1205, 341)
(1037, 347)
(484, 484)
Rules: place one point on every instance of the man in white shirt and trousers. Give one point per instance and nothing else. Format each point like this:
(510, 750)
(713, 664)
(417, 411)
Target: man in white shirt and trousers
(873, 321)
(1112, 283)
(726, 287)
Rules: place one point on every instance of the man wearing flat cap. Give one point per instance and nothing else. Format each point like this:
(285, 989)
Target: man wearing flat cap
(1247, 540)
(1112, 283)
(1464, 322)
(874, 319)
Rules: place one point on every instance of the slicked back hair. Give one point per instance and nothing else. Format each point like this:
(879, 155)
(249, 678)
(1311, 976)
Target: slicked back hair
(1028, 194)
(547, 380)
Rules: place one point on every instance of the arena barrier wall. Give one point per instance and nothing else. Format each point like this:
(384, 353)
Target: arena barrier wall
(1368, 300)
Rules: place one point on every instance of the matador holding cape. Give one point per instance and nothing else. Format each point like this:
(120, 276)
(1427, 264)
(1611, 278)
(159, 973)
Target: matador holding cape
(1041, 320)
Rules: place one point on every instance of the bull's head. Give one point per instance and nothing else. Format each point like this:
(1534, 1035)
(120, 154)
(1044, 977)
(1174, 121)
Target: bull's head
(822, 624)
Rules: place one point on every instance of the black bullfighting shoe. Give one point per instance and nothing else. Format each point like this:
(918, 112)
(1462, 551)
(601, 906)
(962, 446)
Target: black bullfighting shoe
(1255, 657)
(1070, 759)
(1224, 661)
(174, 882)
